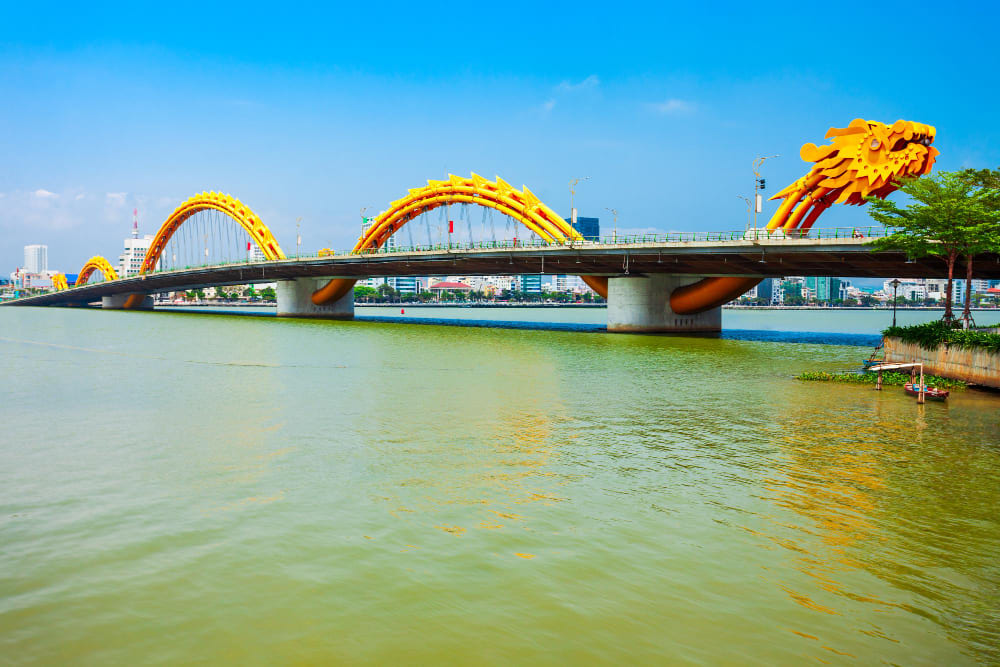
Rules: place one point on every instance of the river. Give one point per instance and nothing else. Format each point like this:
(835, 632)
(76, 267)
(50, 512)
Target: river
(191, 487)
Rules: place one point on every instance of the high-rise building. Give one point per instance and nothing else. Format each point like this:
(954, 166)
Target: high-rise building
(404, 284)
(36, 258)
(589, 228)
(824, 288)
(130, 261)
(765, 290)
(531, 283)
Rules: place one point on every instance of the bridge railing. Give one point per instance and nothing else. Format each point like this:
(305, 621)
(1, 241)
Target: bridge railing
(636, 239)
(608, 240)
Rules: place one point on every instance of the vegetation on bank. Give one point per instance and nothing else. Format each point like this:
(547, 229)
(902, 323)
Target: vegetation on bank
(932, 334)
(889, 378)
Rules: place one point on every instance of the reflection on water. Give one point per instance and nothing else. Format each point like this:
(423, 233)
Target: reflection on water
(181, 487)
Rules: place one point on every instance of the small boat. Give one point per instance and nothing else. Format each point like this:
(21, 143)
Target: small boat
(913, 389)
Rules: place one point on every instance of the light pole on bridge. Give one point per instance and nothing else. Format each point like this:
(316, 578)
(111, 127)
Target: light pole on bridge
(758, 187)
(614, 229)
(572, 193)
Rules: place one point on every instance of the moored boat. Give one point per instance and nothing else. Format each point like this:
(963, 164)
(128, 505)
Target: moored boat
(934, 394)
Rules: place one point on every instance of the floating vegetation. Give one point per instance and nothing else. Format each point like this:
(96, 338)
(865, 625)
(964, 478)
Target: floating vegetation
(889, 379)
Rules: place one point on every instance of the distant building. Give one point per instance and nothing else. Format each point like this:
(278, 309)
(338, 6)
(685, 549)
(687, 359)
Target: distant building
(36, 258)
(405, 284)
(825, 288)
(765, 290)
(130, 261)
(792, 287)
(589, 228)
(531, 283)
(445, 286)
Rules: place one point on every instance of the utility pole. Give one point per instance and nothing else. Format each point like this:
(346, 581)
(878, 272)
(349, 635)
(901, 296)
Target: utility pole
(614, 229)
(298, 236)
(572, 193)
(758, 187)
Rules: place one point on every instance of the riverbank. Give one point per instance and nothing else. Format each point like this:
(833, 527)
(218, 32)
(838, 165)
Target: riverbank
(535, 304)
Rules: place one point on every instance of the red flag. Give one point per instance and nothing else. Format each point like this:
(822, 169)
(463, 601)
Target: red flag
(451, 226)
(248, 246)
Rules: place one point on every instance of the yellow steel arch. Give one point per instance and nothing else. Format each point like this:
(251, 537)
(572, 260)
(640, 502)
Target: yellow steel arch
(59, 281)
(521, 205)
(217, 201)
(95, 263)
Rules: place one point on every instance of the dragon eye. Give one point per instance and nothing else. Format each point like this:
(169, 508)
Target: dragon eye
(875, 144)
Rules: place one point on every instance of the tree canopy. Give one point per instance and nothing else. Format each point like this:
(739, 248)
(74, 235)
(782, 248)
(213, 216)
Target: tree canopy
(952, 215)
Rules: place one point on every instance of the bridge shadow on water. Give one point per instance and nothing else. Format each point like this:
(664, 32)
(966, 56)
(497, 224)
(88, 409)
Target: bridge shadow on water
(760, 335)
(814, 337)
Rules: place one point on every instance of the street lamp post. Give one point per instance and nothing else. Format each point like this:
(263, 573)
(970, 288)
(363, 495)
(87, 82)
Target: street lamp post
(895, 287)
(614, 229)
(758, 186)
(298, 236)
(572, 193)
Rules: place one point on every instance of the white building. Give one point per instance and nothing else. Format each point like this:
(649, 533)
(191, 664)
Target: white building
(36, 258)
(130, 261)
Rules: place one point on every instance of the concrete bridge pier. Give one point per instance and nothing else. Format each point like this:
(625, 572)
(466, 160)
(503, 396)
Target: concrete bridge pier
(295, 300)
(641, 304)
(117, 302)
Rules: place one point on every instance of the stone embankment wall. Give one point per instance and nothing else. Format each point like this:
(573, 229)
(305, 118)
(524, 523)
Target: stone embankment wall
(974, 365)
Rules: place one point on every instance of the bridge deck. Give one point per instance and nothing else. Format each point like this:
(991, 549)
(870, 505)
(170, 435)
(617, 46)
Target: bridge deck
(764, 258)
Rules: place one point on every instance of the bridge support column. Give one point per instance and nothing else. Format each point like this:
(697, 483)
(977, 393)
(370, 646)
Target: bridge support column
(294, 300)
(642, 305)
(117, 302)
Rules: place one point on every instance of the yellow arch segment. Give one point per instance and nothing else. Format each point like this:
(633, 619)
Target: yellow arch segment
(223, 203)
(522, 205)
(96, 263)
(59, 281)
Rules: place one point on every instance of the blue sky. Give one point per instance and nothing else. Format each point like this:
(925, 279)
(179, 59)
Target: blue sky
(315, 113)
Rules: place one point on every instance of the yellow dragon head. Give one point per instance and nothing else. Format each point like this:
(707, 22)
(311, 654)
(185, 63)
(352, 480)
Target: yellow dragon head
(865, 159)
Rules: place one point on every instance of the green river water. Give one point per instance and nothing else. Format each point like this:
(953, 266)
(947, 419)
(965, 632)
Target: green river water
(198, 488)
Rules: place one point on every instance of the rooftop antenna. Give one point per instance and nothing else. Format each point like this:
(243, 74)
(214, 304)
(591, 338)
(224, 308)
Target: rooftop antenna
(135, 223)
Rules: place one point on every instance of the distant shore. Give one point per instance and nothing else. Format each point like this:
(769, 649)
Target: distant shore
(534, 304)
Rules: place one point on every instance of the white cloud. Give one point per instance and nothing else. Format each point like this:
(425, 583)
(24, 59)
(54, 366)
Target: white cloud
(44, 194)
(116, 198)
(673, 106)
(587, 84)
(549, 105)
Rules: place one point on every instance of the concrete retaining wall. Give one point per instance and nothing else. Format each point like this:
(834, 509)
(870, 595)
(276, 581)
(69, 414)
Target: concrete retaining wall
(974, 365)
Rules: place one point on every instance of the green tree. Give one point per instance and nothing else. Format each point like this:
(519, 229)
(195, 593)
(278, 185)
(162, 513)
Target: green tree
(267, 294)
(945, 219)
(364, 293)
(386, 291)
